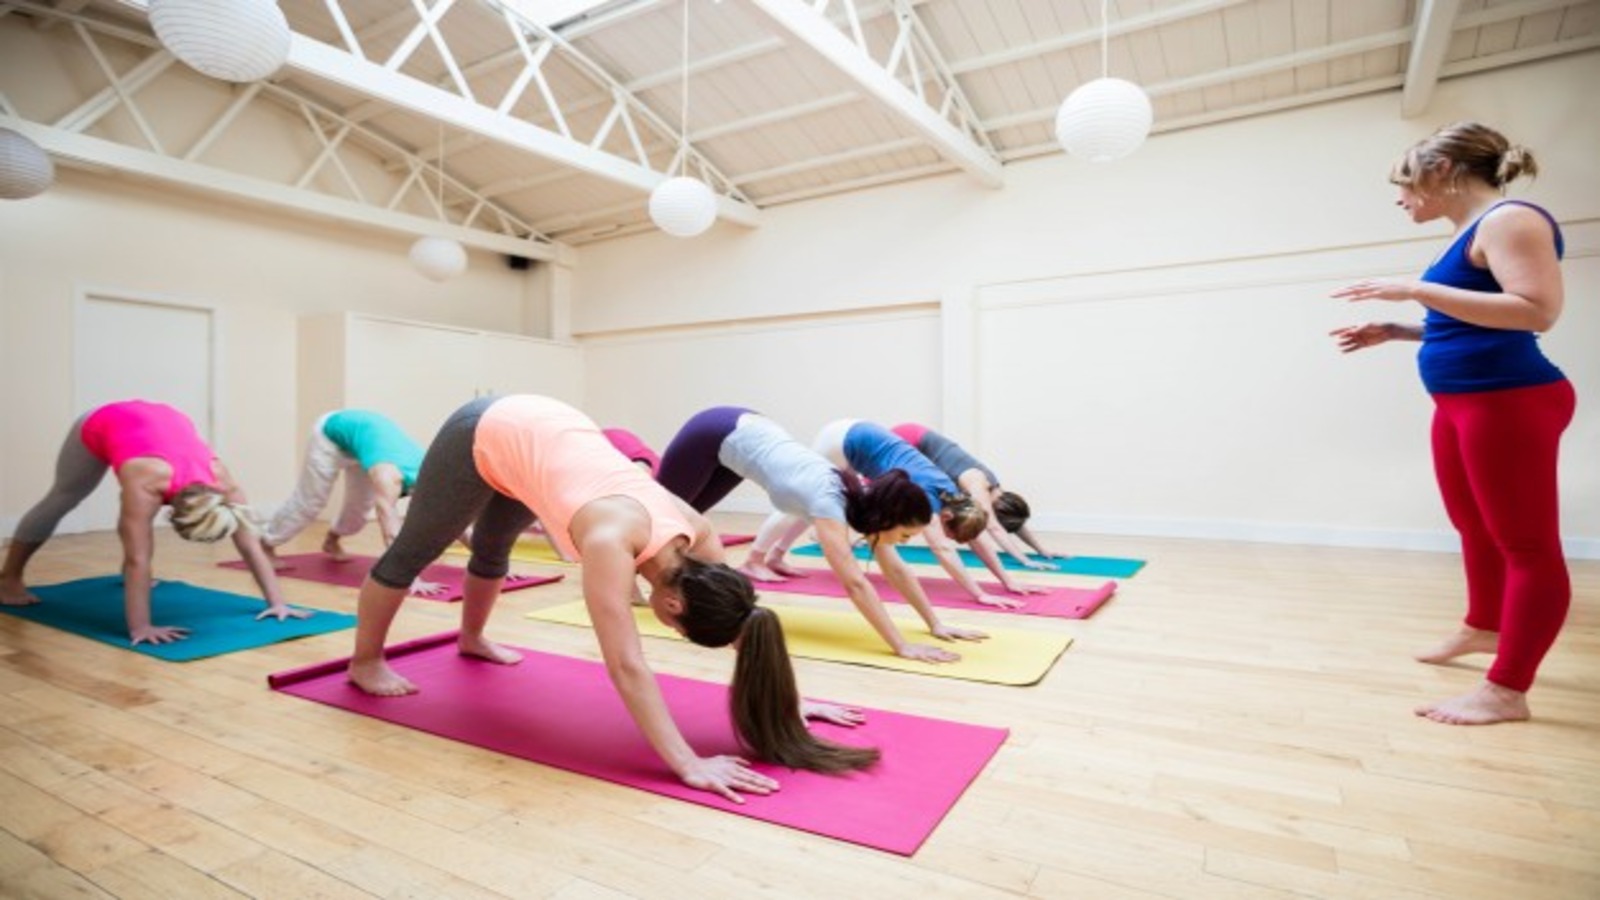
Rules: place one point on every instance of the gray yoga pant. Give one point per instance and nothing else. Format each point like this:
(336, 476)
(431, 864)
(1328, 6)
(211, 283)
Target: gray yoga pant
(449, 496)
(78, 473)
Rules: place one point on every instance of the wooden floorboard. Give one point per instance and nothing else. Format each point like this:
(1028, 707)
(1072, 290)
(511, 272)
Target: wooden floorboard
(1236, 722)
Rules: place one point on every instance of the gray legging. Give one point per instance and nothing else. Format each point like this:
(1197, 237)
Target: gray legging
(450, 495)
(78, 473)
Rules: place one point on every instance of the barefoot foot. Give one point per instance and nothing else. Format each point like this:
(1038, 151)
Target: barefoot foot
(784, 569)
(334, 549)
(755, 571)
(1488, 704)
(1465, 641)
(378, 679)
(14, 593)
(486, 649)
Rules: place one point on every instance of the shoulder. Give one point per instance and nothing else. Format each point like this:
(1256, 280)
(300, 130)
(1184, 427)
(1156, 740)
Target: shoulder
(1516, 220)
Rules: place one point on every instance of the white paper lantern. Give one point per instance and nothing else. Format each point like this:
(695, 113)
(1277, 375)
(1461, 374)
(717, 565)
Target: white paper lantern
(234, 40)
(438, 258)
(25, 169)
(683, 206)
(1104, 119)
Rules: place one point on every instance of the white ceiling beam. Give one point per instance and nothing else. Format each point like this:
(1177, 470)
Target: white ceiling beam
(315, 58)
(1435, 26)
(102, 153)
(817, 162)
(815, 31)
(1087, 36)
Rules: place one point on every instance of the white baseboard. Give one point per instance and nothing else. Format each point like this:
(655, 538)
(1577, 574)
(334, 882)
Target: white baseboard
(1222, 530)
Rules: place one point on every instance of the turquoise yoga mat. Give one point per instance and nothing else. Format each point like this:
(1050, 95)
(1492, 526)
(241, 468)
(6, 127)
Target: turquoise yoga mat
(218, 622)
(1103, 566)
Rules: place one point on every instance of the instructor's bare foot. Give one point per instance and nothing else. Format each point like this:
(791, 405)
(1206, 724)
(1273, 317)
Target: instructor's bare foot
(14, 593)
(486, 649)
(1465, 641)
(378, 679)
(755, 571)
(1488, 704)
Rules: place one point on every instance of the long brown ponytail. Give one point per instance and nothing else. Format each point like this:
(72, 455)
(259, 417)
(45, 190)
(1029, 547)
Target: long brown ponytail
(765, 704)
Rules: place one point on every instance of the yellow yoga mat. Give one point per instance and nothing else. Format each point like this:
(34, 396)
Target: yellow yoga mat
(529, 549)
(1009, 656)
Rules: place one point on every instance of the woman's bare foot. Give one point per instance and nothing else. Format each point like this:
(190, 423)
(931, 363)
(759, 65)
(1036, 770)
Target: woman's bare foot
(14, 593)
(1467, 640)
(278, 565)
(1489, 704)
(378, 679)
(756, 571)
(784, 569)
(487, 649)
(334, 549)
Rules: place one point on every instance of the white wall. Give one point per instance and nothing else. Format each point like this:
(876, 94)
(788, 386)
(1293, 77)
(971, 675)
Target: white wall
(1141, 346)
(260, 270)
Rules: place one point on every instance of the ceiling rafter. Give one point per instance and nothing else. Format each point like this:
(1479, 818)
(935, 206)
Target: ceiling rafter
(963, 143)
(1435, 26)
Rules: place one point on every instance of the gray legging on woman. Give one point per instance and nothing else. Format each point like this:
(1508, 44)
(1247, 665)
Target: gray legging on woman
(450, 495)
(78, 473)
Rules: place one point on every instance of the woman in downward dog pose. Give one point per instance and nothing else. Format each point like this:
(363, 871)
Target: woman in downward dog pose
(160, 460)
(1499, 405)
(1008, 512)
(722, 446)
(500, 461)
(872, 451)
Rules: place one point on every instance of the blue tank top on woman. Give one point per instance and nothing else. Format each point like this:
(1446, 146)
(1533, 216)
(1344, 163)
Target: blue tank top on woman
(1458, 357)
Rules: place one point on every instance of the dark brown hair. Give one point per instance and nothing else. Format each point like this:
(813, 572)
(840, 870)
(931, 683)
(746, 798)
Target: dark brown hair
(888, 502)
(1012, 511)
(719, 607)
(1458, 151)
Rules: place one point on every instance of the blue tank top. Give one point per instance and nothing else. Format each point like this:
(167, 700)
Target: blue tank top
(1458, 357)
(370, 439)
(873, 450)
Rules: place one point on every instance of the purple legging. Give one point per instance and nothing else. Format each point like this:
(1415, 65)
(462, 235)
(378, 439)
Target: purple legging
(690, 466)
(1494, 453)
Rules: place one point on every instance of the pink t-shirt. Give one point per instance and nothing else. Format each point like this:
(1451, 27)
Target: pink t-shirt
(555, 461)
(910, 433)
(118, 432)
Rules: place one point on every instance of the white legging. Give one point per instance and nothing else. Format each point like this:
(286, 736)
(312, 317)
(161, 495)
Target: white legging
(324, 462)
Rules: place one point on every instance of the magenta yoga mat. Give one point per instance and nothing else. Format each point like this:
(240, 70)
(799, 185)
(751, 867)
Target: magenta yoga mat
(1055, 602)
(564, 712)
(324, 569)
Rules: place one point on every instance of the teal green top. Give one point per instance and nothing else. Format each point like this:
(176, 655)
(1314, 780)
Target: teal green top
(370, 439)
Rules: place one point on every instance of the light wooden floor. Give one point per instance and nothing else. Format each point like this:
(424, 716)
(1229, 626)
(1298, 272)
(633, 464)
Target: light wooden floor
(1236, 723)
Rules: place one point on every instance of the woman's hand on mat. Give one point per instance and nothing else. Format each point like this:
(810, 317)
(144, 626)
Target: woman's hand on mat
(426, 588)
(1039, 565)
(728, 776)
(284, 611)
(956, 633)
(832, 712)
(927, 653)
(1004, 602)
(157, 634)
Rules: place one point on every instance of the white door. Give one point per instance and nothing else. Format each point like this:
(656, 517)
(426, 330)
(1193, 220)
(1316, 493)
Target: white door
(128, 348)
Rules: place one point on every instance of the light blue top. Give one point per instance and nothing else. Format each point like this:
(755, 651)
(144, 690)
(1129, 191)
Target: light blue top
(797, 479)
(370, 439)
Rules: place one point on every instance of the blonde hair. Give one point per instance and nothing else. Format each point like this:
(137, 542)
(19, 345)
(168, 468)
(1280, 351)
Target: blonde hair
(963, 518)
(201, 512)
(1458, 151)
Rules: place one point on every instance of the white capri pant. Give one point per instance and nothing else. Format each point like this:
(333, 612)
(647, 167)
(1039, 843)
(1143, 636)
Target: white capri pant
(780, 531)
(324, 463)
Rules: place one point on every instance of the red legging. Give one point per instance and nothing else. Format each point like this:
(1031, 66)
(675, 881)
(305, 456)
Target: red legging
(1494, 453)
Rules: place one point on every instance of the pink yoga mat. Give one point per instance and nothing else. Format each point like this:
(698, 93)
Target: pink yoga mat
(734, 540)
(1055, 602)
(564, 712)
(324, 569)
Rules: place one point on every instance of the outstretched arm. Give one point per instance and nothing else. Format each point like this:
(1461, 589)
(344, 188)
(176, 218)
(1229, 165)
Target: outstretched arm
(1027, 536)
(140, 503)
(387, 484)
(835, 540)
(945, 550)
(902, 579)
(986, 551)
(248, 542)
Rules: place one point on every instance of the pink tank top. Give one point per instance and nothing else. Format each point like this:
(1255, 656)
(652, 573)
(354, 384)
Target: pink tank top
(118, 432)
(555, 461)
(910, 433)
